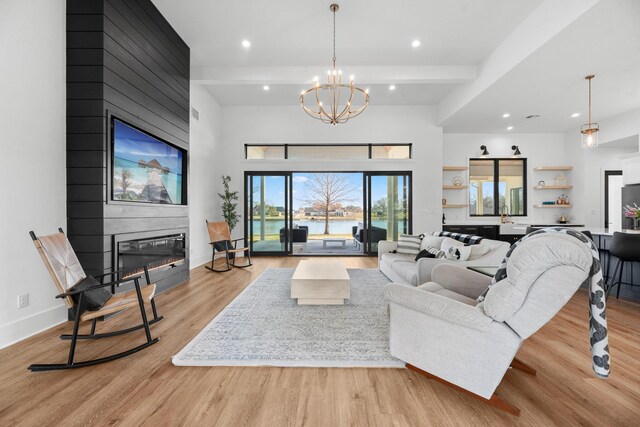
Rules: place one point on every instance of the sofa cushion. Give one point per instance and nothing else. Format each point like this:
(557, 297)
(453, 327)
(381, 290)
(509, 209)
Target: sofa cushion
(430, 252)
(392, 258)
(408, 244)
(431, 241)
(437, 289)
(407, 270)
(458, 253)
(448, 242)
(478, 251)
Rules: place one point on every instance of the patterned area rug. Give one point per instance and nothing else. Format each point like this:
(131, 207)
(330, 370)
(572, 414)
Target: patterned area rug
(263, 326)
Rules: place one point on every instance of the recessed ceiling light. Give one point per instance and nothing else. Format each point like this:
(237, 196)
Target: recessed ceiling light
(246, 43)
(392, 87)
(574, 115)
(505, 115)
(510, 128)
(416, 43)
(265, 87)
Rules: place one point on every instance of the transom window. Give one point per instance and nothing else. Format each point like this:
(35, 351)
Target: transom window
(327, 151)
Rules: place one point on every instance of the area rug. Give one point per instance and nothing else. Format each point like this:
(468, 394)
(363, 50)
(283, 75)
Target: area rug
(263, 326)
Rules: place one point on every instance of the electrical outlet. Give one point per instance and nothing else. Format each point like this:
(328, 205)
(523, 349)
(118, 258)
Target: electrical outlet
(23, 300)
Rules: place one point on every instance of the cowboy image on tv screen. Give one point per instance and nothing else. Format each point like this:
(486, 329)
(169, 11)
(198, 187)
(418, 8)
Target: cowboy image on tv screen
(145, 169)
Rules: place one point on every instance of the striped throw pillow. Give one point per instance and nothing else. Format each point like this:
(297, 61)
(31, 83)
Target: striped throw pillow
(408, 244)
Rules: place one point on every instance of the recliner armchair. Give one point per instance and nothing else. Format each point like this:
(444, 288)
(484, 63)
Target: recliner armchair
(440, 330)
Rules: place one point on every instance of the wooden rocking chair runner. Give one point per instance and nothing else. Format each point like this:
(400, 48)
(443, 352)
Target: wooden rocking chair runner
(220, 240)
(66, 271)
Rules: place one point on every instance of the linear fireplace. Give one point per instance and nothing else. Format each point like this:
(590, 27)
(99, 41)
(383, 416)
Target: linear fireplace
(158, 252)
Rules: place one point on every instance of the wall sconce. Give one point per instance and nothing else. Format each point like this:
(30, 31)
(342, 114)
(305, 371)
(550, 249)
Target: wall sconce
(516, 151)
(485, 153)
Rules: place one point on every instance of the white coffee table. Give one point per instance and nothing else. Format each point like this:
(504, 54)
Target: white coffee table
(320, 282)
(341, 240)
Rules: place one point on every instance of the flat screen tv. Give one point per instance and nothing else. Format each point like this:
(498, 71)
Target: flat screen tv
(145, 168)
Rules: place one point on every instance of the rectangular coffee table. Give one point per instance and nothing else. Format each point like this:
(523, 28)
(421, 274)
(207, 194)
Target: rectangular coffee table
(341, 240)
(320, 282)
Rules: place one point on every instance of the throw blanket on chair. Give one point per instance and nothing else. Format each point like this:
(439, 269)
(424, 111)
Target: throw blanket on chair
(597, 303)
(468, 239)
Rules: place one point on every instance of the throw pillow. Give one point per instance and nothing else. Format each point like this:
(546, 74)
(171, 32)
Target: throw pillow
(431, 241)
(94, 299)
(408, 244)
(478, 251)
(430, 253)
(458, 253)
(222, 246)
(448, 242)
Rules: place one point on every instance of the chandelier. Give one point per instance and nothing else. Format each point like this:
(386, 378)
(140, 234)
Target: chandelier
(590, 130)
(334, 102)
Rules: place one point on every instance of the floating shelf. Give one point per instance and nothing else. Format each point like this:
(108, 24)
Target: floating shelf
(455, 187)
(552, 168)
(455, 168)
(553, 206)
(450, 205)
(553, 187)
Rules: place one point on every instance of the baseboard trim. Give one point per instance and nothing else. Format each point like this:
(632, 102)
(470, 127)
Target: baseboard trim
(21, 329)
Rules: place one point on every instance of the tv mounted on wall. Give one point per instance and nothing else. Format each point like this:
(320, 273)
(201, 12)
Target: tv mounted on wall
(145, 168)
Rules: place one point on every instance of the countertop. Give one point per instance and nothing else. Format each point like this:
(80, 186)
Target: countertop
(521, 228)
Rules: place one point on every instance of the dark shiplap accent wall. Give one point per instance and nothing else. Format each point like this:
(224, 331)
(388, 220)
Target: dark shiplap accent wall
(123, 59)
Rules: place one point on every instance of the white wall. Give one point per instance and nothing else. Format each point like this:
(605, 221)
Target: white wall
(589, 167)
(378, 124)
(540, 149)
(204, 175)
(32, 165)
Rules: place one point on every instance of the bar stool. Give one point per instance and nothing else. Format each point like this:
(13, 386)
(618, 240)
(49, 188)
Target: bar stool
(626, 247)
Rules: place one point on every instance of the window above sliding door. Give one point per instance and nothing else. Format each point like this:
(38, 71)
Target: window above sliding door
(327, 151)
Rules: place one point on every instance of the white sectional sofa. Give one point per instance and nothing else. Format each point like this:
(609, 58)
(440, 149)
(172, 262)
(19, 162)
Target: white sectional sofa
(404, 269)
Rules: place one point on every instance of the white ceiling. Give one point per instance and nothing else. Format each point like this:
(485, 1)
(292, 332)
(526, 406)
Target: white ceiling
(559, 41)
(605, 41)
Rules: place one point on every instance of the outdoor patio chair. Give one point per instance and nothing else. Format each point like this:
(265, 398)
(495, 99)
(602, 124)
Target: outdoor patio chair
(79, 291)
(220, 240)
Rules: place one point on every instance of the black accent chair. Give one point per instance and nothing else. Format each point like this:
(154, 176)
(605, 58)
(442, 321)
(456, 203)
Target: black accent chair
(299, 235)
(377, 234)
(66, 272)
(625, 247)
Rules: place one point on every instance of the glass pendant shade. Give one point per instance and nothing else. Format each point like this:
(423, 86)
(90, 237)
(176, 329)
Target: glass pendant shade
(590, 136)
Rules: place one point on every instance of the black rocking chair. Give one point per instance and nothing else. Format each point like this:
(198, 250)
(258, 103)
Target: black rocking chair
(220, 240)
(66, 271)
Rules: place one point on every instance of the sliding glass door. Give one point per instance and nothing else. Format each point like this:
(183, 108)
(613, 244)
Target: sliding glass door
(388, 207)
(331, 213)
(267, 212)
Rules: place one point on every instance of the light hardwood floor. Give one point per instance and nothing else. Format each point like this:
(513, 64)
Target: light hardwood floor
(147, 389)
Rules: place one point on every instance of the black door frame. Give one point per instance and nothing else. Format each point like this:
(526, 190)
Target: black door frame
(367, 205)
(607, 174)
(248, 211)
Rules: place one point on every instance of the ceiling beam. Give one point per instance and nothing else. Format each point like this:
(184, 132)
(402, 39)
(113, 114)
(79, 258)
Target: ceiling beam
(448, 74)
(544, 23)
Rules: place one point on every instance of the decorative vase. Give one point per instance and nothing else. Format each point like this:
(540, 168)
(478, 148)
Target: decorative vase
(636, 223)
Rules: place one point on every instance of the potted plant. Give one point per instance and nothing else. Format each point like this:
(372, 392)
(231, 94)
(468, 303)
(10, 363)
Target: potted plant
(229, 203)
(634, 213)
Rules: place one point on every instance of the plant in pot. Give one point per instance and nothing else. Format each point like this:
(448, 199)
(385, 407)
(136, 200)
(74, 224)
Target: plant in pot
(229, 203)
(633, 212)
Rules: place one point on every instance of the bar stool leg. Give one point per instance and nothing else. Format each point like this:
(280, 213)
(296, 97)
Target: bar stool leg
(612, 278)
(620, 279)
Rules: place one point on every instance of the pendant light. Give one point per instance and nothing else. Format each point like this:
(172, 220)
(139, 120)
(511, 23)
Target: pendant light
(590, 130)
